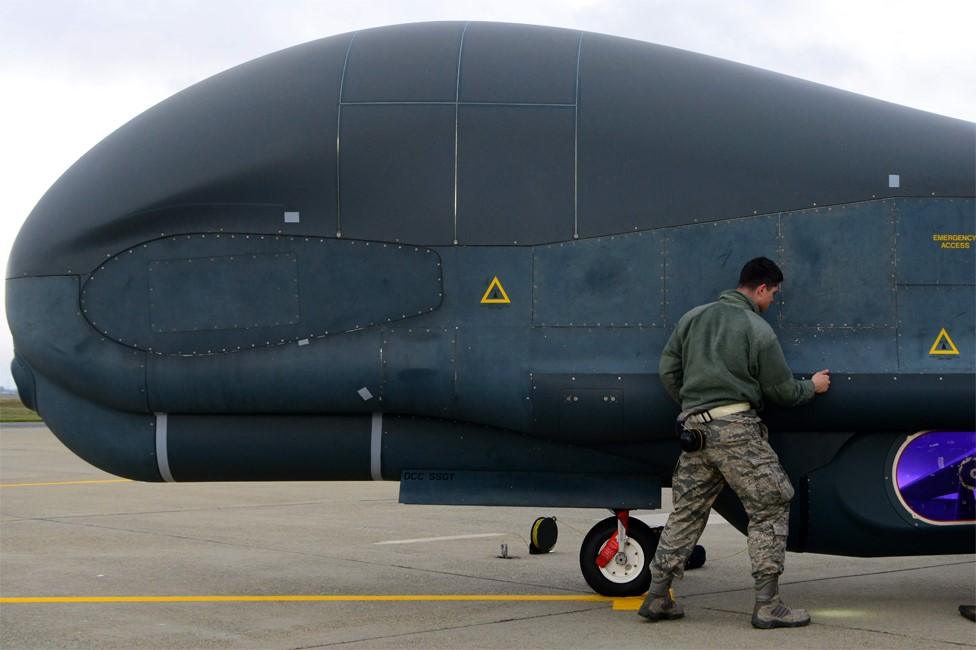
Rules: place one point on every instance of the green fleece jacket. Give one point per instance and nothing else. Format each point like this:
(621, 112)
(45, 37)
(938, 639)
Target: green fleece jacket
(725, 352)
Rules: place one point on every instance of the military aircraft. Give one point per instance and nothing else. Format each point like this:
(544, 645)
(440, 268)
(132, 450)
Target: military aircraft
(449, 254)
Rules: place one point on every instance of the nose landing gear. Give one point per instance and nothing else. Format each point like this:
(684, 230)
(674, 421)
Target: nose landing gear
(615, 554)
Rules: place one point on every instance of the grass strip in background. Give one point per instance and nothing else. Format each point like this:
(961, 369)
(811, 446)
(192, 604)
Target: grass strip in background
(12, 410)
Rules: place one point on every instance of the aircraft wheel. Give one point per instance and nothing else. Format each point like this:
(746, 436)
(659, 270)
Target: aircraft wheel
(631, 576)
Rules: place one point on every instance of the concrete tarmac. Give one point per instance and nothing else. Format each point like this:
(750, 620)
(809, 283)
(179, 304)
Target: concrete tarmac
(308, 565)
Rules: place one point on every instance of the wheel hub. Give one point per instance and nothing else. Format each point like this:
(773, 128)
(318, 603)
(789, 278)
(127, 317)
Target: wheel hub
(627, 563)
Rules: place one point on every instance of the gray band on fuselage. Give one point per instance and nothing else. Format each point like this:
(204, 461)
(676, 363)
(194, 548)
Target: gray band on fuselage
(376, 447)
(162, 448)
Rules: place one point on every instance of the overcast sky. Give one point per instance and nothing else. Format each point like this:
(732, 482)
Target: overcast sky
(75, 70)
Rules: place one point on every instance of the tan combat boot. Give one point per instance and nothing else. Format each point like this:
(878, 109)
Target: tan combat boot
(771, 611)
(659, 605)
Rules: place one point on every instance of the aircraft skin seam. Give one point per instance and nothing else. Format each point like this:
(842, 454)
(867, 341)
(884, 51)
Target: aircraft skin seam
(459, 103)
(780, 254)
(579, 50)
(342, 81)
(895, 223)
(664, 281)
(893, 199)
(145, 380)
(457, 127)
(663, 229)
(269, 233)
(84, 286)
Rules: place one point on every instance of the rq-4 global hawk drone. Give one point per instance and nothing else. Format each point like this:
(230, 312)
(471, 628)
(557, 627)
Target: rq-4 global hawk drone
(449, 254)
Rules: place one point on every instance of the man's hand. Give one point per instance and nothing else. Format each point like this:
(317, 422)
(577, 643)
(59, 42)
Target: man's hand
(821, 381)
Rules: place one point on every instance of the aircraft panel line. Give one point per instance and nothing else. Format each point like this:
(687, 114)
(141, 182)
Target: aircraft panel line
(457, 127)
(459, 103)
(579, 49)
(342, 81)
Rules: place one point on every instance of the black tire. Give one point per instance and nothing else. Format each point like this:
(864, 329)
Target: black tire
(641, 534)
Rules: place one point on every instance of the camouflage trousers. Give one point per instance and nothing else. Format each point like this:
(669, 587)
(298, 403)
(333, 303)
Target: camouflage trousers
(736, 453)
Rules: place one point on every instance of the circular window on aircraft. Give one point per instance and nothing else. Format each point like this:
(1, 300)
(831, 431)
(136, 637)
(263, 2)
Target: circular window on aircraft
(935, 474)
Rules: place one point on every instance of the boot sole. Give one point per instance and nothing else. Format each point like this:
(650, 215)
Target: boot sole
(670, 616)
(769, 625)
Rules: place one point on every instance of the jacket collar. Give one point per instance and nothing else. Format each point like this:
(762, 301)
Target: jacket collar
(738, 299)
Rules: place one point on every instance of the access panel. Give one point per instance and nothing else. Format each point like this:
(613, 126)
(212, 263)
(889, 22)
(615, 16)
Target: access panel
(615, 281)
(936, 240)
(518, 64)
(937, 329)
(209, 294)
(705, 259)
(515, 174)
(416, 62)
(396, 173)
(840, 266)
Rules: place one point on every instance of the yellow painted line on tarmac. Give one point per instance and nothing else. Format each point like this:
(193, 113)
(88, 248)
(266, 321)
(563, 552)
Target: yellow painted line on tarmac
(627, 604)
(106, 480)
(620, 604)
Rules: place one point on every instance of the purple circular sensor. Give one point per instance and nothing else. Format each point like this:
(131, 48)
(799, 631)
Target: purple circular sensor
(935, 473)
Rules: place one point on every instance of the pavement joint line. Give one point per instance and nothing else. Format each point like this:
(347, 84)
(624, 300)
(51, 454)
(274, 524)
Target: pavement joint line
(246, 506)
(840, 577)
(49, 483)
(447, 538)
(398, 566)
(242, 506)
(817, 621)
(326, 598)
(447, 629)
(322, 556)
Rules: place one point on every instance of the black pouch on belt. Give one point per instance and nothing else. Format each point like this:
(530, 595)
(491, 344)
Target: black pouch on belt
(690, 440)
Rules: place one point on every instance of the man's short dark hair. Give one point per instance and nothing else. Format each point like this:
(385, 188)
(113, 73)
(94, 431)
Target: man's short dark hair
(760, 270)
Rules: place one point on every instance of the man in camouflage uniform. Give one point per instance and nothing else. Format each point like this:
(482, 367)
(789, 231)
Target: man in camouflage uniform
(721, 362)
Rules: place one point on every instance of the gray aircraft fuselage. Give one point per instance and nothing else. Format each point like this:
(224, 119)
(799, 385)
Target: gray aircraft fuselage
(461, 247)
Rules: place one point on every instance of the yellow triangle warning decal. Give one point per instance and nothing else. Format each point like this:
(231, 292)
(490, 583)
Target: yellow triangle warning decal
(943, 344)
(495, 294)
